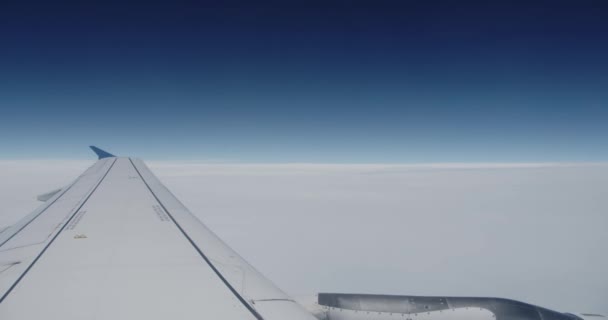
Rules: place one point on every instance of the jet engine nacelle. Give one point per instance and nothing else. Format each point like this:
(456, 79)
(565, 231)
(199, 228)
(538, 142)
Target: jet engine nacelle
(339, 306)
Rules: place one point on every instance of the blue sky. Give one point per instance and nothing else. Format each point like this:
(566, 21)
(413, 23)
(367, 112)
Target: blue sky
(307, 82)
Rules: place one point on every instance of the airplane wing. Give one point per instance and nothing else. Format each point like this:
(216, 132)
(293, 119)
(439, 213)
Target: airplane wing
(116, 244)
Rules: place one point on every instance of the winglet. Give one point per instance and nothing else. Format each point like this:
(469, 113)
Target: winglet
(100, 153)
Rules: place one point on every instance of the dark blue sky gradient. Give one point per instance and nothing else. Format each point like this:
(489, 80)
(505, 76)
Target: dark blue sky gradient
(307, 82)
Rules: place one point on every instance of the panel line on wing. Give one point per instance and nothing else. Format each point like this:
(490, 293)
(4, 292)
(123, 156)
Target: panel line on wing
(62, 192)
(200, 252)
(38, 215)
(56, 235)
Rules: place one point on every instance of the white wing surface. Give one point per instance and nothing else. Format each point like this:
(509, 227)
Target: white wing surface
(116, 244)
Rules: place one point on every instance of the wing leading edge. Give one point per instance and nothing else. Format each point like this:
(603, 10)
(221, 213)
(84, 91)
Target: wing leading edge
(116, 244)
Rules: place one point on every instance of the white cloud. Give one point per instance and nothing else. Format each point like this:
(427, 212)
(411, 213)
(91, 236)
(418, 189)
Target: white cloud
(534, 232)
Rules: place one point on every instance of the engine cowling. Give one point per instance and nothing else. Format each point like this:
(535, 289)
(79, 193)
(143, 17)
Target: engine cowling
(340, 306)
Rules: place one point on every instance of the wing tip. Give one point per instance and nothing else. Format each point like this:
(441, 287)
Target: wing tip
(101, 154)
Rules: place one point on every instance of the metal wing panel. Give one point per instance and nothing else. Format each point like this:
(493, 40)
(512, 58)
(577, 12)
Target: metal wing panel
(118, 245)
(116, 258)
(244, 280)
(21, 243)
(61, 202)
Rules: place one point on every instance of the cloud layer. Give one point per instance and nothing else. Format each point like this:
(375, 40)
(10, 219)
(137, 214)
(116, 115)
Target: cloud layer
(534, 232)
